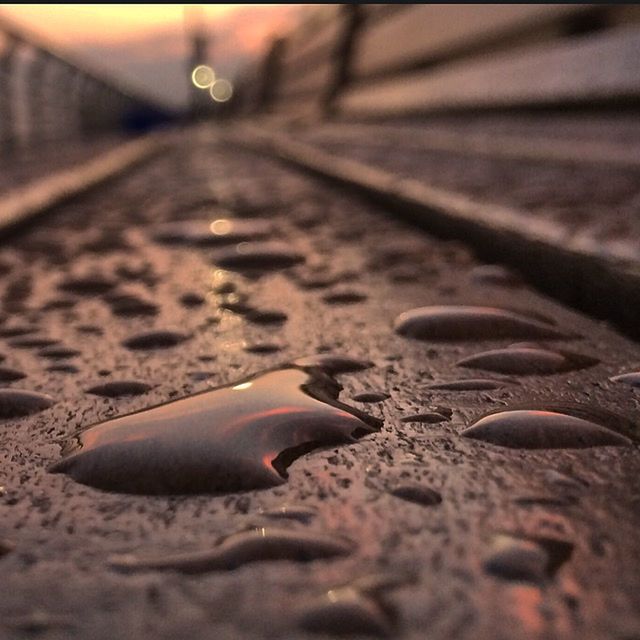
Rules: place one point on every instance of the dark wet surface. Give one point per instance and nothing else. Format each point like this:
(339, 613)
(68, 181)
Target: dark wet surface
(91, 563)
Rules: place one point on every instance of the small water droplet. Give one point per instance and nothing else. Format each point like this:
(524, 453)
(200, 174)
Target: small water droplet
(471, 323)
(15, 403)
(371, 396)
(191, 299)
(263, 347)
(527, 559)
(16, 330)
(346, 296)
(470, 384)
(128, 305)
(266, 316)
(155, 340)
(58, 352)
(417, 493)
(35, 342)
(258, 256)
(243, 548)
(7, 374)
(526, 361)
(239, 436)
(333, 363)
(88, 285)
(301, 514)
(117, 388)
(430, 417)
(63, 368)
(542, 429)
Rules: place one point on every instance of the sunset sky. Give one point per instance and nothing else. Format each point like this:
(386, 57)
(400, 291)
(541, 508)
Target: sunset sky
(146, 44)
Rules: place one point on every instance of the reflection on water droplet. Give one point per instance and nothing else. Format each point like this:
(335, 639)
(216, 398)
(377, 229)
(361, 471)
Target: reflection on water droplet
(240, 436)
(244, 548)
(471, 323)
(417, 493)
(543, 429)
(628, 378)
(527, 559)
(333, 363)
(212, 232)
(15, 403)
(258, 256)
(470, 384)
(7, 374)
(526, 361)
(155, 340)
(118, 388)
(371, 396)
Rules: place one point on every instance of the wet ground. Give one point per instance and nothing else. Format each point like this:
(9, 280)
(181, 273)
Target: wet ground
(338, 473)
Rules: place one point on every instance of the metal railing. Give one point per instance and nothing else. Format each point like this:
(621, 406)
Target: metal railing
(46, 96)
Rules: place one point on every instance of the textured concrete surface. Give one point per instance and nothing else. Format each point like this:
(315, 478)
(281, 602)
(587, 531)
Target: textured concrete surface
(439, 535)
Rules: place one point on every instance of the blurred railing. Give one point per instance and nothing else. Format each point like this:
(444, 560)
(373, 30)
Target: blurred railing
(399, 59)
(45, 96)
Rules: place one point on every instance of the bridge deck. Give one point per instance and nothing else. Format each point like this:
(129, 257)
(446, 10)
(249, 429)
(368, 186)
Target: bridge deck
(524, 543)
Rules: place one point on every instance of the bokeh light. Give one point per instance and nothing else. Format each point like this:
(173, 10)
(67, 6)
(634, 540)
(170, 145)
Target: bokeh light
(203, 76)
(221, 90)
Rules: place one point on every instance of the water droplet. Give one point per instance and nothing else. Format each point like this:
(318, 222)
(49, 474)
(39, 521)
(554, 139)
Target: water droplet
(35, 342)
(263, 347)
(301, 514)
(15, 403)
(17, 330)
(371, 396)
(87, 285)
(129, 305)
(244, 548)
(471, 323)
(417, 493)
(7, 374)
(346, 611)
(239, 436)
(348, 296)
(155, 340)
(258, 256)
(495, 274)
(118, 388)
(63, 368)
(470, 384)
(58, 352)
(333, 363)
(212, 232)
(430, 417)
(266, 316)
(527, 559)
(191, 299)
(628, 378)
(527, 361)
(542, 429)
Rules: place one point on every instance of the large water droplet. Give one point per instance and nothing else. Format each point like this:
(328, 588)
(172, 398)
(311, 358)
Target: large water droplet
(239, 436)
(526, 361)
(258, 256)
(471, 323)
(15, 403)
(430, 417)
(212, 232)
(118, 388)
(632, 378)
(542, 429)
(155, 340)
(243, 548)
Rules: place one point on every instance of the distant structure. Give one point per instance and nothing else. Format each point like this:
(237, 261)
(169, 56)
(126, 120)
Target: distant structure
(200, 102)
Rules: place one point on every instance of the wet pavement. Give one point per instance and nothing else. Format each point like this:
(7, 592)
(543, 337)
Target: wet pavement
(390, 439)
